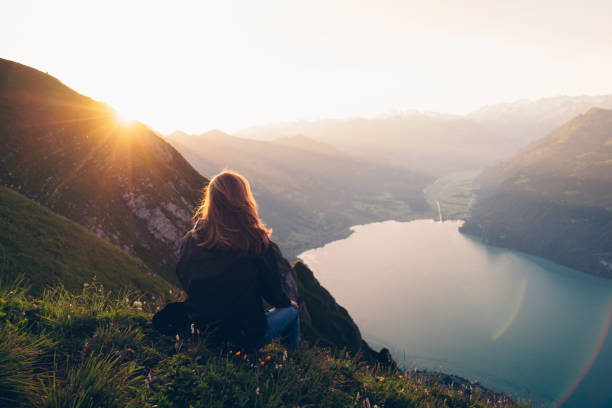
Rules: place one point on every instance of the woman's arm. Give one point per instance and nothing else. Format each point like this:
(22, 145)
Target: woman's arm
(269, 279)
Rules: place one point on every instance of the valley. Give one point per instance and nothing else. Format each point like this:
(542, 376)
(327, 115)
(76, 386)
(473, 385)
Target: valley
(308, 192)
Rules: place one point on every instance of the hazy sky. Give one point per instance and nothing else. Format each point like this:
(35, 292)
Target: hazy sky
(197, 65)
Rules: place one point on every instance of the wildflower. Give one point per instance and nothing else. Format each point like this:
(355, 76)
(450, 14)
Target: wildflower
(238, 353)
(137, 304)
(257, 391)
(244, 357)
(230, 352)
(284, 355)
(85, 284)
(192, 328)
(380, 379)
(178, 337)
(268, 358)
(262, 362)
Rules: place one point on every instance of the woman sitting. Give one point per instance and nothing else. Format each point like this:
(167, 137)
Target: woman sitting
(227, 264)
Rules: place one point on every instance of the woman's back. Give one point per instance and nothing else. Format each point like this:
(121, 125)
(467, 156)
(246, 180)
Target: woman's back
(227, 265)
(225, 289)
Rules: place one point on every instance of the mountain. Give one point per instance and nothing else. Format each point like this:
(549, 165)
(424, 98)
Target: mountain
(528, 120)
(305, 143)
(554, 198)
(47, 249)
(309, 197)
(423, 142)
(71, 154)
(68, 166)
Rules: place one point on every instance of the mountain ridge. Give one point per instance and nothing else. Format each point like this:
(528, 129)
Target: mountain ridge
(133, 189)
(554, 198)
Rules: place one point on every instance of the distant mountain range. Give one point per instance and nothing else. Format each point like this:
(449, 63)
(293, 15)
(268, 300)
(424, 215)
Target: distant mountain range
(435, 143)
(528, 120)
(307, 191)
(431, 144)
(554, 198)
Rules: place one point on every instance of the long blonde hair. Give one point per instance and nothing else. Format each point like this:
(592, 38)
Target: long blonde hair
(227, 218)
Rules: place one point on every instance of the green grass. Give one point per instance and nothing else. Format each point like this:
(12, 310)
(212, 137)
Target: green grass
(456, 193)
(93, 349)
(48, 248)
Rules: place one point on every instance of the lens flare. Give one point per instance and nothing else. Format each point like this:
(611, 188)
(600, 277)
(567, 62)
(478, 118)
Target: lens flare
(589, 364)
(517, 310)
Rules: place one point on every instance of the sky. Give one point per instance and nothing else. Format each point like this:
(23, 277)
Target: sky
(200, 65)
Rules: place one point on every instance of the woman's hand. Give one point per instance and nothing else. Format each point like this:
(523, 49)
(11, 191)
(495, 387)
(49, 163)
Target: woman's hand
(294, 304)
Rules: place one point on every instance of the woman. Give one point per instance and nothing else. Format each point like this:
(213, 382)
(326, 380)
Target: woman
(227, 264)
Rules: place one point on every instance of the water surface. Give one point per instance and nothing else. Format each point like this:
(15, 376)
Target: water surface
(441, 299)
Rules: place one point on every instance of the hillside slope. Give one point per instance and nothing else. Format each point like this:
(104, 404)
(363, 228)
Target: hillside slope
(47, 249)
(309, 197)
(554, 198)
(71, 154)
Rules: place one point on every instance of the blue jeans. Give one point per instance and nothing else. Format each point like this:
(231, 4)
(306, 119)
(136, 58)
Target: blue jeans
(284, 322)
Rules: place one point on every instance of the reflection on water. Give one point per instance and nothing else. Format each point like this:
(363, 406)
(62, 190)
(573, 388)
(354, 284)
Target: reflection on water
(440, 299)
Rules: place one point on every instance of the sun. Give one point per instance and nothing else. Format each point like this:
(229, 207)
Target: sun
(124, 118)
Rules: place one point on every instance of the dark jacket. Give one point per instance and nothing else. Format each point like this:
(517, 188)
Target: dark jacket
(225, 290)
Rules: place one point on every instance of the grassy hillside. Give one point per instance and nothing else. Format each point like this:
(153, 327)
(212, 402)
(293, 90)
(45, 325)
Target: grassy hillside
(71, 154)
(554, 198)
(307, 193)
(91, 350)
(49, 249)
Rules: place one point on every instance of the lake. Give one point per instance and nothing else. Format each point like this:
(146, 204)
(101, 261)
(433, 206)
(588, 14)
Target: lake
(439, 299)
